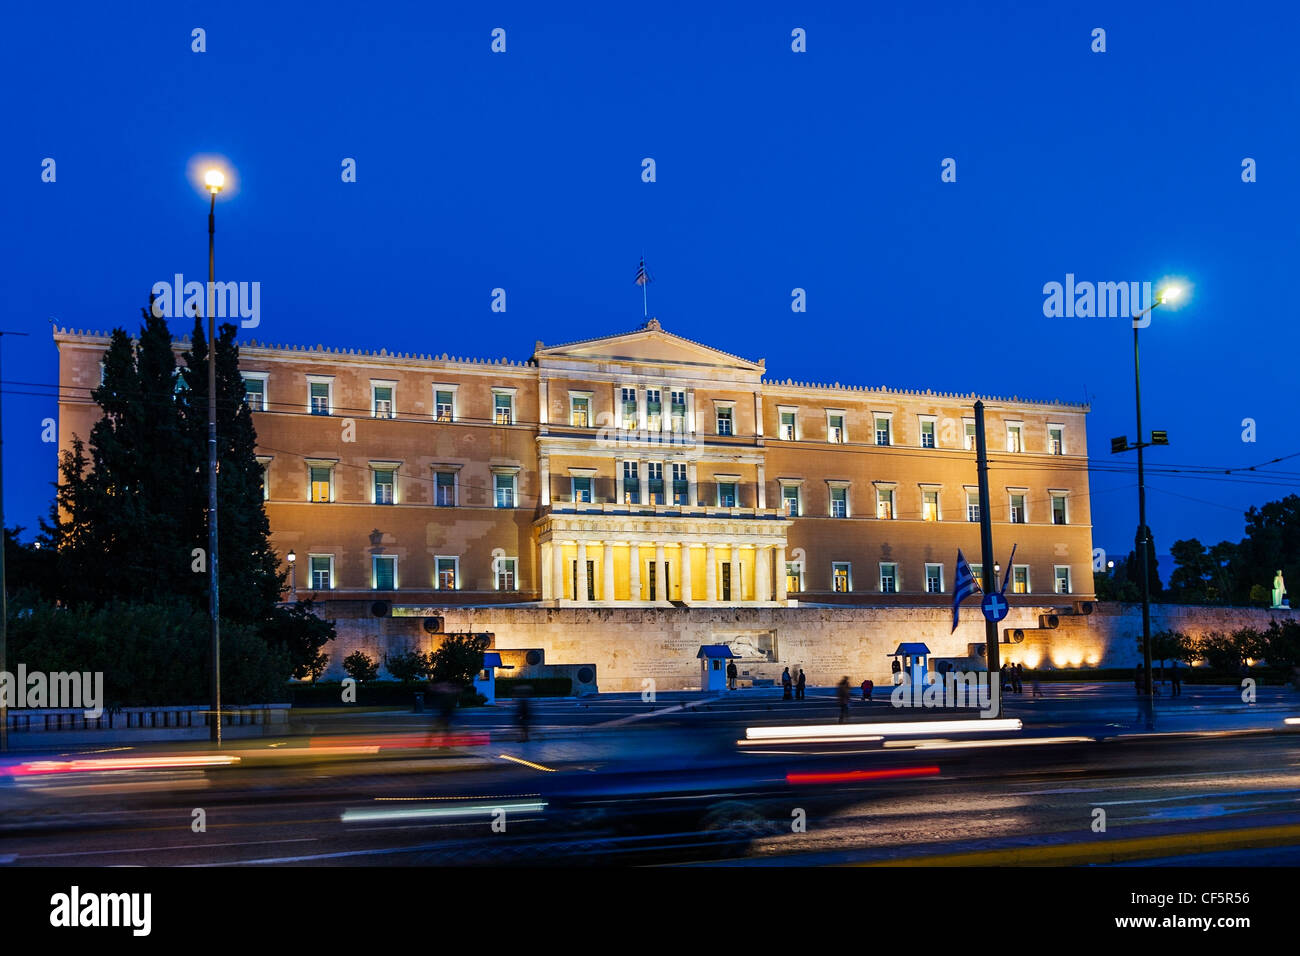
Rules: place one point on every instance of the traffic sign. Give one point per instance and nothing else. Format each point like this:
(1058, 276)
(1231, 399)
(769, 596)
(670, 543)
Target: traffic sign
(994, 607)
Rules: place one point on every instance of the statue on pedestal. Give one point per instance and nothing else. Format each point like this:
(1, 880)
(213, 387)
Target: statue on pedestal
(1279, 591)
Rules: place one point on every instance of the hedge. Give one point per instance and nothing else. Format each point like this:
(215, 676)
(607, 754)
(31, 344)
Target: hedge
(542, 686)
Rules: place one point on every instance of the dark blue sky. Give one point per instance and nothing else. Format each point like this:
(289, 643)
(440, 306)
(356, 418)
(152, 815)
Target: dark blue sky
(775, 170)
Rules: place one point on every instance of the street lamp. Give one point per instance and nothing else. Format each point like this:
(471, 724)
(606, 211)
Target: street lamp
(1166, 295)
(214, 179)
(293, 575)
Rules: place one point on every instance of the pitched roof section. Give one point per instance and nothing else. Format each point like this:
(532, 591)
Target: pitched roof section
(649, 344)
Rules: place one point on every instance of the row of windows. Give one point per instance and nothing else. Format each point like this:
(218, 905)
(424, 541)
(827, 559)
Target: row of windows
(506, 493)
(383, 573)
(320, 401)
(724, 496)
(320, 398)
(505, 576)
(837, 433)
(890, 582)
(446, 486)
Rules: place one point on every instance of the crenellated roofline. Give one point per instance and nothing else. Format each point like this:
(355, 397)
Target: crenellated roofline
(771, 387)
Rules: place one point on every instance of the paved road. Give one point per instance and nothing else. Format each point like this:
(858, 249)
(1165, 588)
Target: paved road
(621, 780)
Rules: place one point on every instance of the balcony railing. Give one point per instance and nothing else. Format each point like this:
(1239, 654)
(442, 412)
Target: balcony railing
(667, 510)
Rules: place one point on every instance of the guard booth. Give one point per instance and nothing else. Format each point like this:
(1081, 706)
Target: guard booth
(713, 666)
(914, 658)
(486, 681)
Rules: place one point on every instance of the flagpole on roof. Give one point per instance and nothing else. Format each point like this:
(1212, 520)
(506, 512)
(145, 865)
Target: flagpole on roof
(643, 280)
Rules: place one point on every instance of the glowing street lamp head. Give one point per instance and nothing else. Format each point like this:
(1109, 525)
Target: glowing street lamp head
(214, 179)
(1170, 293)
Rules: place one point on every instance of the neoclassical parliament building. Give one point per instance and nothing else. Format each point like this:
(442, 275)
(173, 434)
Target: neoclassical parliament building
(642, 471)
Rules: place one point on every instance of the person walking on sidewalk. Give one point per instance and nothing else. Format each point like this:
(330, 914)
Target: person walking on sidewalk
(843, 692)
(1175, 681)
(731, 675)
(800, 684)
(785, 685)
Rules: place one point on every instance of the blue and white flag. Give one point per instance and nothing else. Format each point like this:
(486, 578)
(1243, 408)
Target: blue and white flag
(963, 587)
(1011, 570)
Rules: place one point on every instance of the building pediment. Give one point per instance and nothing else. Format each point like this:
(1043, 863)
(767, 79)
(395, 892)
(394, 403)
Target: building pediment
(649, 345)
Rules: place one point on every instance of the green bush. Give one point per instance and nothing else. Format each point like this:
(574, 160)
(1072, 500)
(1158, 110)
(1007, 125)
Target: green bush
(408, 666)
(458, 659)
(375, 693)
(150, 654)
(361, 667)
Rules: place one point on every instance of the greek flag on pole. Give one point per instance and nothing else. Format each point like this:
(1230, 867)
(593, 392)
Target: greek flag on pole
(963, 587)
(642, 277)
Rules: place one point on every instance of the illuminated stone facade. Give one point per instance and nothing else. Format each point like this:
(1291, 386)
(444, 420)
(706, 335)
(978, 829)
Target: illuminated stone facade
(639, 470)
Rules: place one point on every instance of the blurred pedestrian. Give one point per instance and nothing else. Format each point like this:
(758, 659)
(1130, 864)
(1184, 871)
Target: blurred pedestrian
(732, 673)
(897, 670)
(842, 691)
(523, 709)
(443, 695)
(867, 687)
(785, 685)
(1175, 681)
(1036, 683)
(1140, 679)
(800, 684)
(1020, 677)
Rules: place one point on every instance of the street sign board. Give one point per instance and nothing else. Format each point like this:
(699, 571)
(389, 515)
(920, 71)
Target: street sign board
(994, 607)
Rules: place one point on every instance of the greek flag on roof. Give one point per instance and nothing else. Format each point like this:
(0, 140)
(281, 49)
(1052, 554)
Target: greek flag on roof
(642, 277)
(963, 587)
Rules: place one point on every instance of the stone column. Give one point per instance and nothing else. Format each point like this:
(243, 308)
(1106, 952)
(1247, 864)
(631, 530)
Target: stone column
(665, 413)
(582, 572)
(781, 595)
(686, 571)
(618, 405)
(642, 481)
(544, 477)
(607, 576)
(737, 585)
(762, 486)
(758, 414)
(690, 413)
(710, 572)
(618, 481)
(661, 579)
(557, 570)
(762, 574)
(640, 409)
(634, 570)
(693, 499)
(548, 592)
(543, 404)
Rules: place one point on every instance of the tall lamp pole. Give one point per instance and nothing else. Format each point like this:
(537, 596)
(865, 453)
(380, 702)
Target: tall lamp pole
(1121, 444)
(4, 604)
(214, 180)
(293, 576)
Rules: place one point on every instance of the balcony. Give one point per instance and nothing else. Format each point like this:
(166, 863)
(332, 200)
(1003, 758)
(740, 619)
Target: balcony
(613, 508)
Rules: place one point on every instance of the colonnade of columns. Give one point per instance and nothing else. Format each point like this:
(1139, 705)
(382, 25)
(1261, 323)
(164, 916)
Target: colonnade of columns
(754, 572)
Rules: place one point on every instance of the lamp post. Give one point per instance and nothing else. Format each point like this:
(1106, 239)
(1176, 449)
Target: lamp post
(214, 180)
(1166, 295)
(293, 576)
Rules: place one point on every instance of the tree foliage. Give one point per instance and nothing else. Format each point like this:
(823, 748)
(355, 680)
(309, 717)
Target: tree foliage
(458, 659)
(361, 667)
(129, 523)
